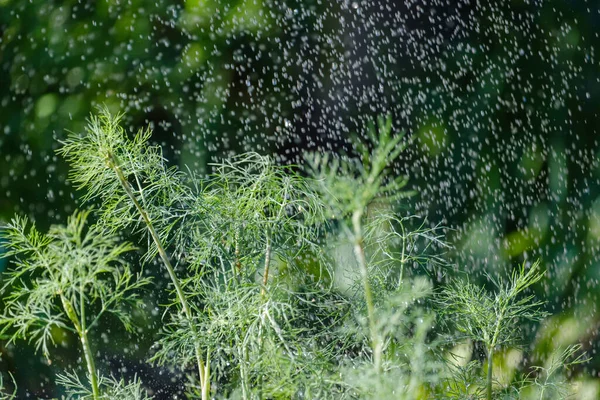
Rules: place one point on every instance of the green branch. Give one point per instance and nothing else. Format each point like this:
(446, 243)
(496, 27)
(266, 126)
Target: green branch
(202, 370)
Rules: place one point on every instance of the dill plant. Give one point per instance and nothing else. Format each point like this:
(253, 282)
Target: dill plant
(361, 194)
(68, 278)
(549, 381)
(250, 250)
(252, 217)
(349, 188)
(137, 191)
(492, 319)
(227, 231)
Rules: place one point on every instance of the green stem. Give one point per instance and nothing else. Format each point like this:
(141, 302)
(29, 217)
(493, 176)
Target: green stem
(543, 389)
(402, 259)
(490, 372)
(89, 359)
(359, 253)
(83, 337)
(206, 385)
(491, 347)
(204, 378)
(267, 263)
(238, 264)
(243, 372)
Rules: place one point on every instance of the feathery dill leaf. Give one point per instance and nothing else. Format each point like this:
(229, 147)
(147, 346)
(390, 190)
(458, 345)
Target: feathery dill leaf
(67, 278)
(256, 301)
(492, 319)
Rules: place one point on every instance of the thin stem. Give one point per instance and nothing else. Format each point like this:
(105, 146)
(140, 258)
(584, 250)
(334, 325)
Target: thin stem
(238, 264)
(206, 386)
(100, 313)
(359, 253)
(89, 359)
(243, 373)
(491, 347)
(83, 337)
(204, 379)
(490, 372)
(544, 387)
(402, 259)
(267, 263)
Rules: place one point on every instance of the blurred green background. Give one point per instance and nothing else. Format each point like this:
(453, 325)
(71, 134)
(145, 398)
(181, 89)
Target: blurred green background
(501, 97)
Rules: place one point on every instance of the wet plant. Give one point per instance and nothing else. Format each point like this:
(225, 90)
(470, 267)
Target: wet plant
(252, 220)
(226, 230)
(137, 191)
(464, 381)
(68, 278)
(110, 388)
(361, 194)
(549, 381)
(492, 318)
(283, 284)
(348, 188)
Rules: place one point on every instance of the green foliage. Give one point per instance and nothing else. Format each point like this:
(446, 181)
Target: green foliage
(348, 187)
(351, 184)
(68, 279)
(60, 274)
(465, 382)
(251, 216)
(5, 395)
(549, 381)
(492, 319)
(136, 189)
(487, 121)
(117, 170)
(409, 366)
(111, 388)
(240, 220)
(257, 303)
(252, 212)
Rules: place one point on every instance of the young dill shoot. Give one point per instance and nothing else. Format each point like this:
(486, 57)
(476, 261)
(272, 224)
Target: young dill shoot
(548, 381)
(137, 191)
(68, 278)
(491, 318)
(349, 188)
(360, 194)
(110, 387)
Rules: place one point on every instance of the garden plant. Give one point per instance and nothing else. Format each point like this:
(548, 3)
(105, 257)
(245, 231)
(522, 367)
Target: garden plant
(286, 282)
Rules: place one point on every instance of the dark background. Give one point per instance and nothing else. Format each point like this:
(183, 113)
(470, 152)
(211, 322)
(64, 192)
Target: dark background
(501, 98)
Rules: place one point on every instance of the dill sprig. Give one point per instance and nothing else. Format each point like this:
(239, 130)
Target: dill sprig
(67, 278)
(492, 318)
(264, 302)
